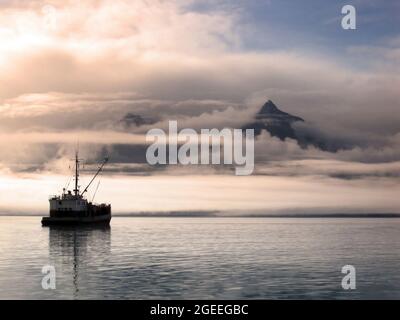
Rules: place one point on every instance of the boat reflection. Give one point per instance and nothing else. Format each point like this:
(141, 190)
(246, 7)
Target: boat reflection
(71, 248)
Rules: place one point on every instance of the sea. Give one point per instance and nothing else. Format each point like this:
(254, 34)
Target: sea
(201, 258)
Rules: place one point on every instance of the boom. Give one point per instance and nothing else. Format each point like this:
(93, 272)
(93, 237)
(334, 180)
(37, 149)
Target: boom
(94, 177)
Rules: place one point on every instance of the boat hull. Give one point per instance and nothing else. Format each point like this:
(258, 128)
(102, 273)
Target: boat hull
(64, 221)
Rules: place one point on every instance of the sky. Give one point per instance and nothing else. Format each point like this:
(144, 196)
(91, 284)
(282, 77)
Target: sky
(72, 71)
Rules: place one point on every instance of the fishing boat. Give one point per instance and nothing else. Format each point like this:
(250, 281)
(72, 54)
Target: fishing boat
(73, 208)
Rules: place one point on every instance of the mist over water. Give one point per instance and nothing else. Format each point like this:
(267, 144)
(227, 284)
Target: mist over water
(267, 194)
(204, 258)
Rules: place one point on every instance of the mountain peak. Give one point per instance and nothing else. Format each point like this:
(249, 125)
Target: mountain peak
(269, 107)
(273, 120)
(270, 111)
(131, 119)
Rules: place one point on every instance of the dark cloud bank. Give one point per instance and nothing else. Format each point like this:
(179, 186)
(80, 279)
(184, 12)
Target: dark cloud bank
(286, 144)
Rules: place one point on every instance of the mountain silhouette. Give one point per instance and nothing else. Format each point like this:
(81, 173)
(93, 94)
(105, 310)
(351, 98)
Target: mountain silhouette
(136, 120)
(278, 123)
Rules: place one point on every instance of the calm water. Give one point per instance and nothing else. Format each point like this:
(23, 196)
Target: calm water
(222, 258)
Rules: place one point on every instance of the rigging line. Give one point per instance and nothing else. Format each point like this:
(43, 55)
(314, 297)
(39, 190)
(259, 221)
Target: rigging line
(97, 173)
(98, 184)
(69, 181)
(70, 178)
(97, 187)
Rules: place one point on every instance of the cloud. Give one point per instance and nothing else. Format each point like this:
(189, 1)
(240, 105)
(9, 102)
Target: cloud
(69, 75)
(72, 70)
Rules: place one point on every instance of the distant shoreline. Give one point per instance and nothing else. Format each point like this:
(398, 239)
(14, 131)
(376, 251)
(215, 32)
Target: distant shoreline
(335, 215)
(218, 214)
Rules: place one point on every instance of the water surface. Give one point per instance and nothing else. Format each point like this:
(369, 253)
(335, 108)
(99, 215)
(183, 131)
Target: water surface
(204, 258)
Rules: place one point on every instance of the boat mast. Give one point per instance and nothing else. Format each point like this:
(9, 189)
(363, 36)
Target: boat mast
(76, 190)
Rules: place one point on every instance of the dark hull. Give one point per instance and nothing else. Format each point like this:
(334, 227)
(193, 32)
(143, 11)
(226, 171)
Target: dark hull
(94, 215)
(73, 221)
